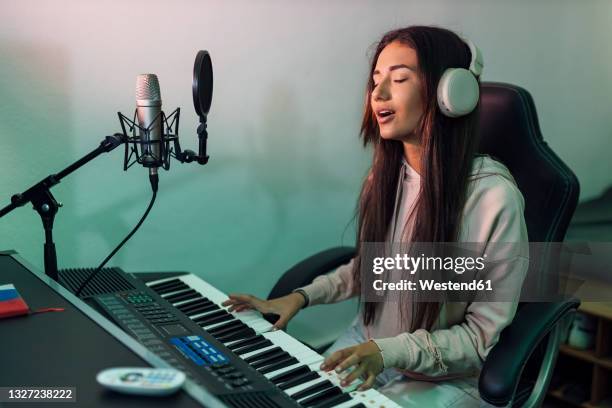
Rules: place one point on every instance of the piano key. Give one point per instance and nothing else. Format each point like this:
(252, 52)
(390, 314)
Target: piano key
(172, 288)
(182, 295)
(288, 375)
(231, 330)
(313, 389)
(253, 347)
(208, 323)
(211, 315)
(269, 359)
(299, 380)
(320, 397)
(251, 353)
(322, 376)
(284, 369)
(193, 303)
(200, 310)
(355, 402)
(228, 327)
(264, 354)
(334, 401)
(240, 343)
(304, 385)
(242, 334)
(372, 398)
(164, 283)
(282, 363)
(251, 318)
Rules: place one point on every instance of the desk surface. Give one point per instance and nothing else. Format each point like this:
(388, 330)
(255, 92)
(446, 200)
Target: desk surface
(64, 349)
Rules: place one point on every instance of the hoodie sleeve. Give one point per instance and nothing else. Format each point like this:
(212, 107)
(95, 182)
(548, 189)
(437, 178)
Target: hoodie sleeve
(492, 214)
(332, 287)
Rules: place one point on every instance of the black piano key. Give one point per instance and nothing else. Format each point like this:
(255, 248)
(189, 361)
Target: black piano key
(211, 315)
(166, 283)
(190, 309)
(244, 342)
(270, 360)
(239, 335)
(230, 331)
(320, 397)
(273, 358)
(196, 302)
(288, 375)
(300, 379)
(263, 354)
(333, 401)
(218, 319)
(360, 405)
(253, 347)
(286, 362)
(315, 388)
(181, 296)
(204, 308)
(172, 288)
(222, 329)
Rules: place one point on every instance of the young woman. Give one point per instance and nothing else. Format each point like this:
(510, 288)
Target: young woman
(426, 184)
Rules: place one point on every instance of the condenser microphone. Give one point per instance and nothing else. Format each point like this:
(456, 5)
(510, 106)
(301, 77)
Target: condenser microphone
(148, 112)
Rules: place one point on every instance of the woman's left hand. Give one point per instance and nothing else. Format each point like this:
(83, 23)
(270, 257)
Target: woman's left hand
(365, 358)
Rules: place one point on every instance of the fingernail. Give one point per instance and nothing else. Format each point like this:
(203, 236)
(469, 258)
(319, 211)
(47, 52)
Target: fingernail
(338, 369)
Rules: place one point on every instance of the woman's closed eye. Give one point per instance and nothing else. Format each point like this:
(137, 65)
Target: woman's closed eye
(397, 80)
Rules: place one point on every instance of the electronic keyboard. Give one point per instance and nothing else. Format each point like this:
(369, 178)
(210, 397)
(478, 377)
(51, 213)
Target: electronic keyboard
(235, 356)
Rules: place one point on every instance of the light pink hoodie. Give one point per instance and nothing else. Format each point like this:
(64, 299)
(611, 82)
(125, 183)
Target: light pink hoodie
(464, 333)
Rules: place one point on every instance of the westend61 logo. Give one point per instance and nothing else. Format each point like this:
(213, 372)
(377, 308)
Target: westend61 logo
(412, 264)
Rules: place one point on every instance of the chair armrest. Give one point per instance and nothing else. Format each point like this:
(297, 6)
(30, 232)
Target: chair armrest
(305, 271)
(501, 372)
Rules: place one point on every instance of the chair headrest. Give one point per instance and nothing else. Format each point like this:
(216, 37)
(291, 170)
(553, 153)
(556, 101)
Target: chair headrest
(510, 133)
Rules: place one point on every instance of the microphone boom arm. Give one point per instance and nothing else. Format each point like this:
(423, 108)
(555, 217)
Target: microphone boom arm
(45, 204)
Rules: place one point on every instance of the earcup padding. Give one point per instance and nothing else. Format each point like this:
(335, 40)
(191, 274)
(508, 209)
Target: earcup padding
(457, 92)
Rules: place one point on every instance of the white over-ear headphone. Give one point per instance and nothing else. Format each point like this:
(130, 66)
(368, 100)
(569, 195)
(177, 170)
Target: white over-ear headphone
(458, 91)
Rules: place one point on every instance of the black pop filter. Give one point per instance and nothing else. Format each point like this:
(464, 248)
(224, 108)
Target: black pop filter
(202, 85)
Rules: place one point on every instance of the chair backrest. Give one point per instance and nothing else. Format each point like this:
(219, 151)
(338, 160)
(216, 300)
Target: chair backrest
(510, 132)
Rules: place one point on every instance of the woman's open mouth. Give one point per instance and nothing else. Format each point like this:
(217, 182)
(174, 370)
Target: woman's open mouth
(385, 116)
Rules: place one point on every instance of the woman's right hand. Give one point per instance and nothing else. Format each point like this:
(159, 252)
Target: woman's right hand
(286, 307)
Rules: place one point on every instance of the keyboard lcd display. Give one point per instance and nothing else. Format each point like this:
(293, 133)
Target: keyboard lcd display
(198, 350)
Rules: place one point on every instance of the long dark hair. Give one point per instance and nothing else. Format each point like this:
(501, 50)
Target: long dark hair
(448, 149)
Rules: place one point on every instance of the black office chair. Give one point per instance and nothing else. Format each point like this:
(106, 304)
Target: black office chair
(518, 369)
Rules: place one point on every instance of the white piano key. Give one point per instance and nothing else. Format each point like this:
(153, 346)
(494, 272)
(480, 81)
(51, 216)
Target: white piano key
(204, 288)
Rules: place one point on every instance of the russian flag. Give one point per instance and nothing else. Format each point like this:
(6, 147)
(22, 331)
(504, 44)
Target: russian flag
(11, 303)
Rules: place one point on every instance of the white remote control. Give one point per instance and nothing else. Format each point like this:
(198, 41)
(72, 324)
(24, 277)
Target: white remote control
(142, 380)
